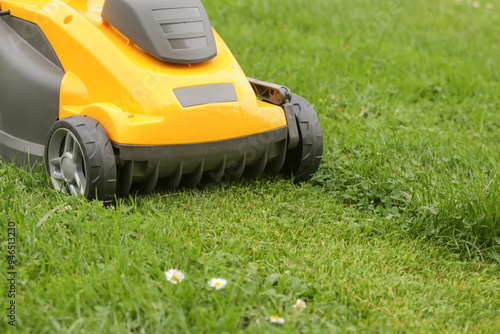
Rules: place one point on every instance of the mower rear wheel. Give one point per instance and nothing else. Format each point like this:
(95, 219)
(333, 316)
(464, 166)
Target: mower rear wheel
(303, 161)
(80, 159)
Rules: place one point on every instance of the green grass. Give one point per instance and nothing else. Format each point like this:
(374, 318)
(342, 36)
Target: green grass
(398, 232)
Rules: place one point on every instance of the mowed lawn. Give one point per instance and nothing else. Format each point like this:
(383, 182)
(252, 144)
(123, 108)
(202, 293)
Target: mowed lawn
(398, 232)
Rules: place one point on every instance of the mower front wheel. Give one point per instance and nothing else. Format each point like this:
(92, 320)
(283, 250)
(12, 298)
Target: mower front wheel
(80, 159)
(303, 161)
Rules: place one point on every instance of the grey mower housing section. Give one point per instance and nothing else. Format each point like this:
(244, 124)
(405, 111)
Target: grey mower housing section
(30, 81)
(190, 164)
(175, 31)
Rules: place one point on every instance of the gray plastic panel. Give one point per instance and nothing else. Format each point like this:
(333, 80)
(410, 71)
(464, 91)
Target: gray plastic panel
(198, 95)
(232, 155)
(176, 31)
(29, 89)
(20, 145)
(32, 34)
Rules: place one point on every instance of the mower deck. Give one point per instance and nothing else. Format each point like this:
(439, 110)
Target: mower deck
(119, 95)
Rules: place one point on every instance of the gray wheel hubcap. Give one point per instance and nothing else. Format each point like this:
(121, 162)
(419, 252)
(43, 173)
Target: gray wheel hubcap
(66, 163)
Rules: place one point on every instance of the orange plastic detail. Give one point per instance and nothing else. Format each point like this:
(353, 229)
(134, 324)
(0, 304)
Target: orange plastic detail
(130, 92)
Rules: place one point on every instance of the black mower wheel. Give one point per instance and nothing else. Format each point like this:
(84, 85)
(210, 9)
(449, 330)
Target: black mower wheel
(80, 159)
(303, 161)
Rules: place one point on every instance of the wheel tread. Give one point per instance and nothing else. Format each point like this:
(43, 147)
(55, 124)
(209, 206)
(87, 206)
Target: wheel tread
(303, 161)
(98, 153)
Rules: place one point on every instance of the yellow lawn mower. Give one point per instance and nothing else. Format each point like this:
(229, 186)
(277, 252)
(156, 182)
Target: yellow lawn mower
(117, 95)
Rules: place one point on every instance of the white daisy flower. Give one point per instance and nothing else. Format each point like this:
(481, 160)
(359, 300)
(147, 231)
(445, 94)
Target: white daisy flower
(217, 283)
(476, 4)
(299, 305)
(174, 276)
(276, 319)
(489, 5)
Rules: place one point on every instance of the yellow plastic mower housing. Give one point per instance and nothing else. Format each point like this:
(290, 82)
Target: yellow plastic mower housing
(125, 94)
